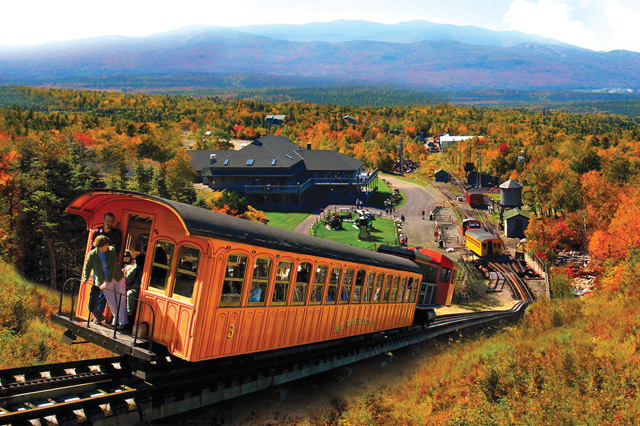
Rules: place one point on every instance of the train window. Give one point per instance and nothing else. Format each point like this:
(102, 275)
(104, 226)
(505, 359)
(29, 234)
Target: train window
(283, 278)
(368, 289)
(189, 260)
(414, 289)
(260, 281)
(429, 272)
(378, 290)
(319, 279)
(387, 289)
(444, 275)
(345, 295)
(357, 287)
(161, 266)
(302, 283)
(407, 293)
(334, 282)
(401, 289)
(394, 289)
(233, 280)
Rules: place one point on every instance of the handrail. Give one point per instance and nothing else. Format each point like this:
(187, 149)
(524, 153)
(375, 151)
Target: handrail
(116, 314)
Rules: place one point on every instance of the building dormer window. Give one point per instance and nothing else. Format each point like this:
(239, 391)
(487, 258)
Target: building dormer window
(226, 161)
(250, 162)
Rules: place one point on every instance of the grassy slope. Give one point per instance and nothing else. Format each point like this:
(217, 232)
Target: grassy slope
(27, 336)
(383, 233)
(286, 220)
(570, 362)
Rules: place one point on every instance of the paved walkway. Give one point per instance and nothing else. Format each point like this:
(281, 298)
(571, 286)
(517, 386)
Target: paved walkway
(417, 228)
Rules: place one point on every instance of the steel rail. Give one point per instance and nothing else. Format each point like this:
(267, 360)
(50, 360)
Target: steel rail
(188, 386)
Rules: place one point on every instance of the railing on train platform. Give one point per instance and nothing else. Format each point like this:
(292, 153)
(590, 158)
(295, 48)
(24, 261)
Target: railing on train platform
(139, 302)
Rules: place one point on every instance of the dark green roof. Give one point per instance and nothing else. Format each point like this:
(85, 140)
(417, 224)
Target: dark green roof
(516, 212)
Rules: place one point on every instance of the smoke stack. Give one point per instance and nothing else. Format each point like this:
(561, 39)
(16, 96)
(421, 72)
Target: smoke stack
(309, 146)
(213, 158)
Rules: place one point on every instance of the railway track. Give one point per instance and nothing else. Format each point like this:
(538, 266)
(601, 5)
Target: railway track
(520, 289)
(124, 391)
(506, 269)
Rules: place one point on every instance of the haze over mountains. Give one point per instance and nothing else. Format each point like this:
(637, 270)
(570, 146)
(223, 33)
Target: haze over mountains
(415, 54)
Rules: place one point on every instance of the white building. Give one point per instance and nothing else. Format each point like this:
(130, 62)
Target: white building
(446, 139)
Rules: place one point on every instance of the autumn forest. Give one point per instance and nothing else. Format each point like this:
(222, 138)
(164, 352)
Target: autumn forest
(581, 178)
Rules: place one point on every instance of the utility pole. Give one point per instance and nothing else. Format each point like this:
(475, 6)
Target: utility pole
(400, 149)
(478, 173)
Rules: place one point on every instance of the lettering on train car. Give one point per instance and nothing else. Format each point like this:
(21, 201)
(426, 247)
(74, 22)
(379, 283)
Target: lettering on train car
(355, 321)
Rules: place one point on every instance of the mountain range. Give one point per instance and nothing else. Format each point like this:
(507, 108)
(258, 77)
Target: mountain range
(416, 54)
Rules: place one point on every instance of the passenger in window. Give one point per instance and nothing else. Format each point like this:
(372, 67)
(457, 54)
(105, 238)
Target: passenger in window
(303, 274)
(103, 261)
(255, 294)
(160, 256)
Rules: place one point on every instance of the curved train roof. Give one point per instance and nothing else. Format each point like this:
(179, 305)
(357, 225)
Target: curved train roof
(201, 222)
(480, 235)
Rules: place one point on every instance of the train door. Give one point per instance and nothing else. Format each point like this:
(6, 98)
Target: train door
(138, 229)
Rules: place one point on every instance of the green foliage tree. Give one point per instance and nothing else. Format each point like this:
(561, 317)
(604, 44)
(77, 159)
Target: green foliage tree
(53, 171)
(231, 201)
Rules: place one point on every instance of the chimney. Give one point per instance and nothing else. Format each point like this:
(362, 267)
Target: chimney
(309, 146)
(213, 158)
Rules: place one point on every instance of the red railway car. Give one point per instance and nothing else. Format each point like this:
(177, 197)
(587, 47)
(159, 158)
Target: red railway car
(216, 286)
(469, 223)
(438, 273)
(474, 197)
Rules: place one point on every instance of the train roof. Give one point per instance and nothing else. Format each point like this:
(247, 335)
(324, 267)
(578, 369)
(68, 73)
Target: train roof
(418, 254)
(204, 223)
(480, 234)
(471, 220)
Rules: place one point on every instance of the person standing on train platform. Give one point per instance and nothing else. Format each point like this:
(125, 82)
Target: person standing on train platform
(132, 282)
(108, 277)
(97, 300)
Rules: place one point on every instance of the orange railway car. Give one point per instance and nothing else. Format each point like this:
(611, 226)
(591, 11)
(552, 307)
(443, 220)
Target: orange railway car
(216, 286)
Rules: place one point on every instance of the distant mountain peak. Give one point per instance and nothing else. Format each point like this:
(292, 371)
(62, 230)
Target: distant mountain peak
(405, 32)
(417, 54)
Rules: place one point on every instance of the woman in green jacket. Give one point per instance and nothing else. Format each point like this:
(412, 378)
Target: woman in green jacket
(109, 278)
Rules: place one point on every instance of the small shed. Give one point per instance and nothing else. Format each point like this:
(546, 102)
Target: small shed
(441, 175)
(516, 222)
(485, 179)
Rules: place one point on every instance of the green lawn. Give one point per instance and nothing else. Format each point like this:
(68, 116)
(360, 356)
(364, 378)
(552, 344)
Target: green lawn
(383, 233)
(286, 220)
(382, 194)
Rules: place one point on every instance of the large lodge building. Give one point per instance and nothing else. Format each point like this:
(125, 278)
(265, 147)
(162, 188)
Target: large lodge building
(275, 174)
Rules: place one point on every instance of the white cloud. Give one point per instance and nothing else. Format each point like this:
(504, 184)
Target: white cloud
(597, 25)
(624, 24)
(594, 24)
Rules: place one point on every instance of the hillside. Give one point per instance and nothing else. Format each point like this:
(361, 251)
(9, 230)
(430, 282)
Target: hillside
(446, 64)
(27, 336)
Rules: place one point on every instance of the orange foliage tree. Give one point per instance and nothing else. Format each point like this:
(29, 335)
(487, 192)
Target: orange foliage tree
(623, 232)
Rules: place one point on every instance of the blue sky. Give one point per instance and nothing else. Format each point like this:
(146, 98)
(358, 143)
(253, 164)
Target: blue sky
(593, 24)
